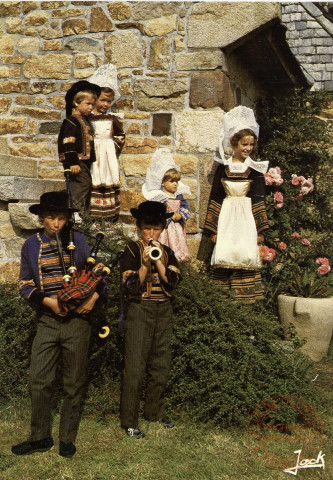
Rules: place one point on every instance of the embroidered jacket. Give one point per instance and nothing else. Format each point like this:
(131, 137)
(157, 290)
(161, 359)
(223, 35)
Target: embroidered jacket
(75, 141)
(31, 281)
(153, 287)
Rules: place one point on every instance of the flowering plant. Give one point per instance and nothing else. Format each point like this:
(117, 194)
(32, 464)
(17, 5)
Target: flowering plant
(298, 145)
(306, 186)
(297, 270)
(294, 264)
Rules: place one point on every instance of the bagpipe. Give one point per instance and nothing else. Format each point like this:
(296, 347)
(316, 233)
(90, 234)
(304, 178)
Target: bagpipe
(80, 286)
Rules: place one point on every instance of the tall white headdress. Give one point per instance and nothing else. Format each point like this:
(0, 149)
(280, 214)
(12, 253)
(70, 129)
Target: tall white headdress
(106, 76)
(233, 121)
(161, 161)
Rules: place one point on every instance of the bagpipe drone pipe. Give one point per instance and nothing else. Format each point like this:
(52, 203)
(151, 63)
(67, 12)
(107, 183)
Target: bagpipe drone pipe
(79, 286)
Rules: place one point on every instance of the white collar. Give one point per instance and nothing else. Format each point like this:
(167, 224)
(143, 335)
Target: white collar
(159, 195)
(235, 167)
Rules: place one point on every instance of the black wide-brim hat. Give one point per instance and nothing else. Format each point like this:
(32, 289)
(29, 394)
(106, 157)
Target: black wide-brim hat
(80, 86)
(52, 202)
(151, 212)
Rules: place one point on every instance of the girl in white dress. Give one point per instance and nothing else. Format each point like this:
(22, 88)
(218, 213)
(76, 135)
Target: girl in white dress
(236, 217)
(108, 140)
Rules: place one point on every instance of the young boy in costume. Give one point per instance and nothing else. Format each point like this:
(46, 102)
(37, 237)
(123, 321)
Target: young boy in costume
(75, 140)
(59, 335)
(148, 327)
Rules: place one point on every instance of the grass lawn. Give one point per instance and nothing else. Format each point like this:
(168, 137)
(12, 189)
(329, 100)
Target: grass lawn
(189, 452)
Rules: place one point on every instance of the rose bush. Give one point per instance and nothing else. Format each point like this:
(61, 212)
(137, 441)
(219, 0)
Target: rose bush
(294, 270)
(297, 141)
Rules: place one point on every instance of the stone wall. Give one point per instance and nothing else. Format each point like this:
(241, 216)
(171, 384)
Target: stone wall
(175, 81)
(310, 37)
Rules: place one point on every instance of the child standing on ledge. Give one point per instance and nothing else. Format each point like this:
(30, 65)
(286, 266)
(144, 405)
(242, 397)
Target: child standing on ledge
(109, 139)
(75, 141)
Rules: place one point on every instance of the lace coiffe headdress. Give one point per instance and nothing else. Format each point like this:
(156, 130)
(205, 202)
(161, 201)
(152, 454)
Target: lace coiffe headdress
(161, 161)
(106, 76)
(237, 119)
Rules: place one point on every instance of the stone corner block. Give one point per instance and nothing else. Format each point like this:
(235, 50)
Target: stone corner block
(21, 217)
(17, 166)
(20, 188)
(212, 24)
(198, 131)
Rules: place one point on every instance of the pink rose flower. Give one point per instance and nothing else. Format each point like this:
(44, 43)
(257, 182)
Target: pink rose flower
(268, 254)
(278, 200)
(295, 180)
(324, 269)
(273, 176)
(296, 235)
(307, 186)
(322, 261)
(268, 180)
(305, 242)
(282, 246)
(278, 197)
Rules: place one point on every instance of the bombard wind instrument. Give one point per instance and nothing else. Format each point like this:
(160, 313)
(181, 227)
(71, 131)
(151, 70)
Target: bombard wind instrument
(155, 253)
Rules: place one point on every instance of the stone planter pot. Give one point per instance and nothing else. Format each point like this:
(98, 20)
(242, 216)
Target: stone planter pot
(313, 320)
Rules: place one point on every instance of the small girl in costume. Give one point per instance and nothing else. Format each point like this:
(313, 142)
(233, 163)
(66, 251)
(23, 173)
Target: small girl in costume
(109, 139)
(236, 217)
(163, 185)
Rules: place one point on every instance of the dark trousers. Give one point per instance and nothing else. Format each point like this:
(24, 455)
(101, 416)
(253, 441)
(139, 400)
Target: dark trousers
(68, 339)
(81, 186)
(148, 331)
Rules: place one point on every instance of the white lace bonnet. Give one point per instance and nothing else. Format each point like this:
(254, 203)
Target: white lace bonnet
(235, 120)
(106, 76)
(161, 161)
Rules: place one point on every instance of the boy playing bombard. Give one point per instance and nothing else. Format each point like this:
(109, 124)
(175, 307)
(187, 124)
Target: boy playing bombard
(75, 140)
(148, 327)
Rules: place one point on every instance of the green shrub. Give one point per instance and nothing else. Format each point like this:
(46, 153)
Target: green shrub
(228, 358)
(17, 329)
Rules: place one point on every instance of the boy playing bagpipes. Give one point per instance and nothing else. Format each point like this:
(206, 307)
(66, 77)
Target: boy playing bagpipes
(63, 332)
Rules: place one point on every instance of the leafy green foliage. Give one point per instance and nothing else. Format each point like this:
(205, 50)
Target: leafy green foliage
(295, 138)
(17, 329)
(227, 358)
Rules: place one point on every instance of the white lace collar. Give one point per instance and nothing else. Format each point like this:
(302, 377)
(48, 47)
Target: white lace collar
(236, 167)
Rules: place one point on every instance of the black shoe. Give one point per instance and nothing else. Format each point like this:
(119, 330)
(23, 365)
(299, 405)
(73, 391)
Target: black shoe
(134, 432)
(67, 449)
(25, 448)
(166, 423)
